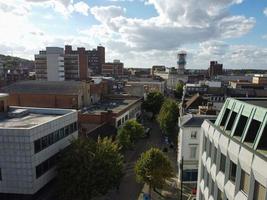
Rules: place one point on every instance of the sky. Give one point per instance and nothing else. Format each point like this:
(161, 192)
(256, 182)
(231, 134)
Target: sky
(141, 33)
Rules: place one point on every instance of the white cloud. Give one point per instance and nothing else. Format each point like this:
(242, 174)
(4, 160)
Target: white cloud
(265, 11)
(264, 37)
(81, 7)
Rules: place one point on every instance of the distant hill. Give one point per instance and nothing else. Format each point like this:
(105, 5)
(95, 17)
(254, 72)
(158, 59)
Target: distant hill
(12, 62)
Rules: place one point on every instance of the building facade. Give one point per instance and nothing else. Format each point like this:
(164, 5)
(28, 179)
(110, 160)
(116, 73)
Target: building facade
(49, 64)
(114, 69)
(215, 69)
(30, 140)
(233, 152)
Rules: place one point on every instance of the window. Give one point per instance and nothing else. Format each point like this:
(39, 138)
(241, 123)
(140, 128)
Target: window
(222, 163)
(214, 155)
(259, 191)
(193, 151)
(232, 172)
(244, 184)
(231, 121)
(0, 174)
(225, 116)
(252, 131)
(193, 134)
(240, 126)
(220, 195)
(119, 123)
(212, 188)
(210, 147)
(190, 175)
(263, 140)
(126, 117)
(45, 166)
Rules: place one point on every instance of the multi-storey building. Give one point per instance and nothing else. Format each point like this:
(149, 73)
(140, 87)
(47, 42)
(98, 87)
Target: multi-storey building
(96, 58)
(233, 152)
(49, 64)
(215, 69)
(114, 69)
(188, 147)
(30, 140)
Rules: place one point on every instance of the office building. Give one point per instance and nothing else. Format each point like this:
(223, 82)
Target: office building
(233, 152)
(114, 69)
(30, 141)
(49, 64)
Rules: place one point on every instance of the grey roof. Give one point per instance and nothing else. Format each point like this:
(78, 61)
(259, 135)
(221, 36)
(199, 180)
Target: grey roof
(197, 120)
(262, 102)
(44, 87)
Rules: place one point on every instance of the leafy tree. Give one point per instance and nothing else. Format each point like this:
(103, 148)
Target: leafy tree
(178, 93)
(129, 133)
(168, 116)
(153, 102)
(87, 169)
(153, 168)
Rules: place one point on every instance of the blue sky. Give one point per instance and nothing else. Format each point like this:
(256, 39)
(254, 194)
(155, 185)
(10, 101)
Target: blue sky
(141, 33)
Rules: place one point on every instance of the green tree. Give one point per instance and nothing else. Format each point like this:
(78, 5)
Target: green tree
(88, 168)
(130, 133)
(178, 93)
(168, 116)
(153, 168)
(153, 102)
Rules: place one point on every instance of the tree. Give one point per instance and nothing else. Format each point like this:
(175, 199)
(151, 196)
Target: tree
(178, 93)
(87, 169)
(153, 168)
(130, 133)
(153, 102)
(168, 116)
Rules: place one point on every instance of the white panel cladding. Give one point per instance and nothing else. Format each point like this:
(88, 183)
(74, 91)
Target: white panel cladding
(245, 159)
(208, 164)
(204, 156)
(210, 133)
(229, 189)
(259, 170)
(205, 125)
(206, 193)
(240, 196)
(213, 172)
(223, 143)
(201, 185)
(233, 151)
(216, 138)
(211, 198)
(220, 180)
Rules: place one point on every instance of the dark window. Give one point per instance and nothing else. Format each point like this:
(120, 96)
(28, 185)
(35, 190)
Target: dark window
(232, 171)
(44, 142)
(225, 116)
(210, 145)
(222, 163)
(0, 174)
(240, 126)
(214, 155)
(190, 175)
(263, 140)
(37, 146)
(231, 121)
(220, 195)
(252, 131)
(259, 191)
(212, 188)
(67, 131)
(45, 166)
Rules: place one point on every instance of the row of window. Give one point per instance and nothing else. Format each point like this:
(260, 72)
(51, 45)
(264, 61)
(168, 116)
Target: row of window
(52, 138)
(252, 130)
(45, 166)
(122, 120)
(260, 190)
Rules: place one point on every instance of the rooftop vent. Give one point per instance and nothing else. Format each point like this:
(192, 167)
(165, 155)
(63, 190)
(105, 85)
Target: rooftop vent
(17, 113)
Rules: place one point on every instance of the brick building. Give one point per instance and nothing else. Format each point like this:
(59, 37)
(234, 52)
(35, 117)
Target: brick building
(114, 69)
(215, 69)
(49, 94)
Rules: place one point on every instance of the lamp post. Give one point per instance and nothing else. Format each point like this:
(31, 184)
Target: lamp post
(181, 172)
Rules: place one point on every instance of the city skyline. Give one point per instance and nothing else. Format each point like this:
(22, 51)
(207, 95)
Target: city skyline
(141, 33)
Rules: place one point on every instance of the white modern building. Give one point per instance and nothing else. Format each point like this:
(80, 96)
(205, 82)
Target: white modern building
(188, 147)
(30, 140)
(49, 64)
(233, 154)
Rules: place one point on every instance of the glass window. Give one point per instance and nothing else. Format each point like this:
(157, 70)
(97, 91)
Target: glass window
(214, 155)
(0, 174)
(193, 134)
(37, 146)
(231, 121)
(225, 116)
(232, 171)
(220, 195)
(259, 191)
(245, 179)
(222, 163)
(241, 126)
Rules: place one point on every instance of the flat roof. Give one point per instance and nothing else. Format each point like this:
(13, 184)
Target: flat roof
(23, 117)
(115, 106)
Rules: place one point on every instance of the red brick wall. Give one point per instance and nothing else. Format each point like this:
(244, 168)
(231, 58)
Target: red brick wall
(83, 63)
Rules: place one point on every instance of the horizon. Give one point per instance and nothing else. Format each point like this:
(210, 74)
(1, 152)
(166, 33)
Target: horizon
(233, 32)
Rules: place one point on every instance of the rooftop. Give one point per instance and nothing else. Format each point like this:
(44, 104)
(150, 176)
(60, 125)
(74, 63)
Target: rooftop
(262, 102)
(47, 87)
(195, 120)
(22, 117)
(114, 105)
